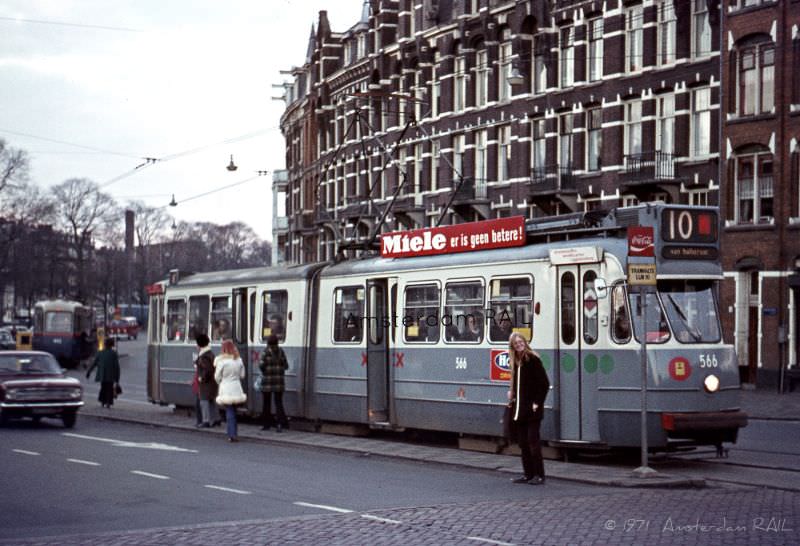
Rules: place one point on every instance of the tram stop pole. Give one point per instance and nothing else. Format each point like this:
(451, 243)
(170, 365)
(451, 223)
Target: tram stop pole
(644, 470)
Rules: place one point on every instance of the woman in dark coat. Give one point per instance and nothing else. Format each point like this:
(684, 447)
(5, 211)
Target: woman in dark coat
(529, 387)
(206, 385)
(108, 371)
(273, 368)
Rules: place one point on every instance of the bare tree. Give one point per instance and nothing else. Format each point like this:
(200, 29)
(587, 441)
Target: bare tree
(13, 166)
(81, 209)
(151, 225)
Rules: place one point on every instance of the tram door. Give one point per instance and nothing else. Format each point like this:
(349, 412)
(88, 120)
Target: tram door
(377, 352)
(154, 340)
(577, 363)
(242, 323)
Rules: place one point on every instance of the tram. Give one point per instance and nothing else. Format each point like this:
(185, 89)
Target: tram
(417, 338)
(64, 329)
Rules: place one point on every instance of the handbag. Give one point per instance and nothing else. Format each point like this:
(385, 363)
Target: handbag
(117, 390)
(509, 425)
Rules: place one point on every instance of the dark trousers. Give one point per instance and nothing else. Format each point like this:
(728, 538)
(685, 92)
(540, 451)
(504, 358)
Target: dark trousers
(531, 446)
(106, 395)
(266, 412)
(230, 424)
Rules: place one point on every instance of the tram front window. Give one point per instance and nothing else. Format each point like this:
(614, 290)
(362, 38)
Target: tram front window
(692, 310)
(657, 327)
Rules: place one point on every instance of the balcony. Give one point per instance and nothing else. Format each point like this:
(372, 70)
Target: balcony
(649, 168)
(470, 199)
(552, 180)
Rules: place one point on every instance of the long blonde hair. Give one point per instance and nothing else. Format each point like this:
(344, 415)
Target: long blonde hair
(513, 361)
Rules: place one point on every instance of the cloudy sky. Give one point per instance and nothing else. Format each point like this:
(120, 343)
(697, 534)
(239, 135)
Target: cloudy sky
(92, 87)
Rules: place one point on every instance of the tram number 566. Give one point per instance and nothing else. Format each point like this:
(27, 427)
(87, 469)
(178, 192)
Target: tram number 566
(708, 361)
(461, 363)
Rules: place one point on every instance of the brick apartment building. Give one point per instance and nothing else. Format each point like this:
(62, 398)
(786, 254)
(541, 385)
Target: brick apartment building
(446, 111)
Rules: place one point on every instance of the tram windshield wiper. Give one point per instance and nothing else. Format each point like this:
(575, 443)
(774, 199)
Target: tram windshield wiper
(691, 330)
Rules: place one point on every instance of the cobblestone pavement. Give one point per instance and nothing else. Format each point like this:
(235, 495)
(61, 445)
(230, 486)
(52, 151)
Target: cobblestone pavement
(708, 517)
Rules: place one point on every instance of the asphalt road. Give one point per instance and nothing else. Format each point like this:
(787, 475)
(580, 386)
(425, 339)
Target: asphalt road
(107, 476)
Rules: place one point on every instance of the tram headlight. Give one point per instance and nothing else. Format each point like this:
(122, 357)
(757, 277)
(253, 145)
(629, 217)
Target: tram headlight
(711, 383)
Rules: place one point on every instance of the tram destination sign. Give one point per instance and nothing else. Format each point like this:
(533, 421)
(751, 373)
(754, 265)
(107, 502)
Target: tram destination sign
(488, 234)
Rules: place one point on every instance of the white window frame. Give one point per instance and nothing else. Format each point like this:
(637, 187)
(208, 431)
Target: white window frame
(538, 65)
(459, 84)
(504, 153)
(701, 119)
(634, 39)
(481, 77)
(701, 29)
(504, 67)
(594, 132)
(633, 127)
(665, 123)
(481, 169)
(594, 55)
(538, 145)
(458, 156)
(434, 173)
(759, 69)
(760, 188)
(566, 56)
(667, 33)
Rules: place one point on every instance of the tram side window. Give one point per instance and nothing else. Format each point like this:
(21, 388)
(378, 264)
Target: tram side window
(511, 305)
(220, 318)
(568, 308)
(273, 314)
(589, 308)
(198, 316)
(176, 320)
(348, 314)
(421, 313)
(620, 319)
(463, 312)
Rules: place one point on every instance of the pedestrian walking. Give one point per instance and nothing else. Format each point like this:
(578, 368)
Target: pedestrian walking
(108, 372)
(229, 372)
(206, 385)
(529, 388)
(273, 368)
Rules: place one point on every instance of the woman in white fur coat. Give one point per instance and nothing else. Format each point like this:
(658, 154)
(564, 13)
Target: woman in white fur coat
(229, 372)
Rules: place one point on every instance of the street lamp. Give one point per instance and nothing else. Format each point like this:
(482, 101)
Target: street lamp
(231, 166)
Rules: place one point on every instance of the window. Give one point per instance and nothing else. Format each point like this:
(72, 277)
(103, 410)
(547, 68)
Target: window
(701, 122)
(589, 308)
(566, 62)
(594, 138)
(511, 307)
(458, 156)
(620, 318)
(757, 80)
(655, 321)
(198, 316)
(698, 198)
(435, 85)
(634, 39)
(504, 67)
(633, 127)
(274, 309)
(417, 181)
(692, 310)
(595, 53)
(421, 314)
(567, 301)
(503, 153)
(539, 67)
(565, 127)
(665, 123)
(412, 20)
(220, 318)
(419, 92)
(176, 320)
(348, 314)
(538, 149)
(463, 312)
(481, 77)
(754, 188)
(58, 322)
(460, 84)
(480, 159)
(667, 24)
(701, 29)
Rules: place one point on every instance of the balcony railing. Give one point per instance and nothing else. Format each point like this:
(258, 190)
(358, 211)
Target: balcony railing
(469, 190)
(650, 166)
(549, 179)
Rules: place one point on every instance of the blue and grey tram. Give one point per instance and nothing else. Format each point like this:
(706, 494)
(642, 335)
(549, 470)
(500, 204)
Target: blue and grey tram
(417, 338)
(64, 329)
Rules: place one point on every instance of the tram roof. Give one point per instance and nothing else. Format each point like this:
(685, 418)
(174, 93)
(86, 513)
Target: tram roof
(246, 276)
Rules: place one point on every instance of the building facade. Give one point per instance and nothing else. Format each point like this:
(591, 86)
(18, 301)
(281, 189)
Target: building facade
(760, 205)
(430, 112)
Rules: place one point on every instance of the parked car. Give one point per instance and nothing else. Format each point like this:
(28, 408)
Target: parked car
(32, 384)
(127, 327)
(7, 342)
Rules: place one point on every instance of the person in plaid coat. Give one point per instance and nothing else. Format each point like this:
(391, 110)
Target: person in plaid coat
(273, 368)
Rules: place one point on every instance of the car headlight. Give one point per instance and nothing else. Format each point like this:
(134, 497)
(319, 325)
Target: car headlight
(75, 393)
(11, 394)
(711, 383)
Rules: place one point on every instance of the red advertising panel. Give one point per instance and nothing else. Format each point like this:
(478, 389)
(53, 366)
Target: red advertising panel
(641, 242)
(499, 233)
(501, 367)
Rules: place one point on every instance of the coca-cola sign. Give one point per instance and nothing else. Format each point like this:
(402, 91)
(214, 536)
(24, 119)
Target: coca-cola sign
(641, 242)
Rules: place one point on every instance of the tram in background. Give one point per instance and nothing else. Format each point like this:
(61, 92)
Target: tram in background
(418, 338)
(64, 329)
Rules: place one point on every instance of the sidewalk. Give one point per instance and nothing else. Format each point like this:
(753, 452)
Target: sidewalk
(768, 404)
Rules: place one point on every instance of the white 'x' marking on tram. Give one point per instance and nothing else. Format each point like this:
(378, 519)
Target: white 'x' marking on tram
(123, 443)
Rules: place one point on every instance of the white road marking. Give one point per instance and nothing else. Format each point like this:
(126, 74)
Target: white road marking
(490, 541)
(324, 507)
(149, 475)
(383, 520)
(229, 490)
(81, 461)
(25, 452)
(123, 443)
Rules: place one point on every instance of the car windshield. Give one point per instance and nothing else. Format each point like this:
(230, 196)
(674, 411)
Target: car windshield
(691, 307)
(5, 336)
(28, 364)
